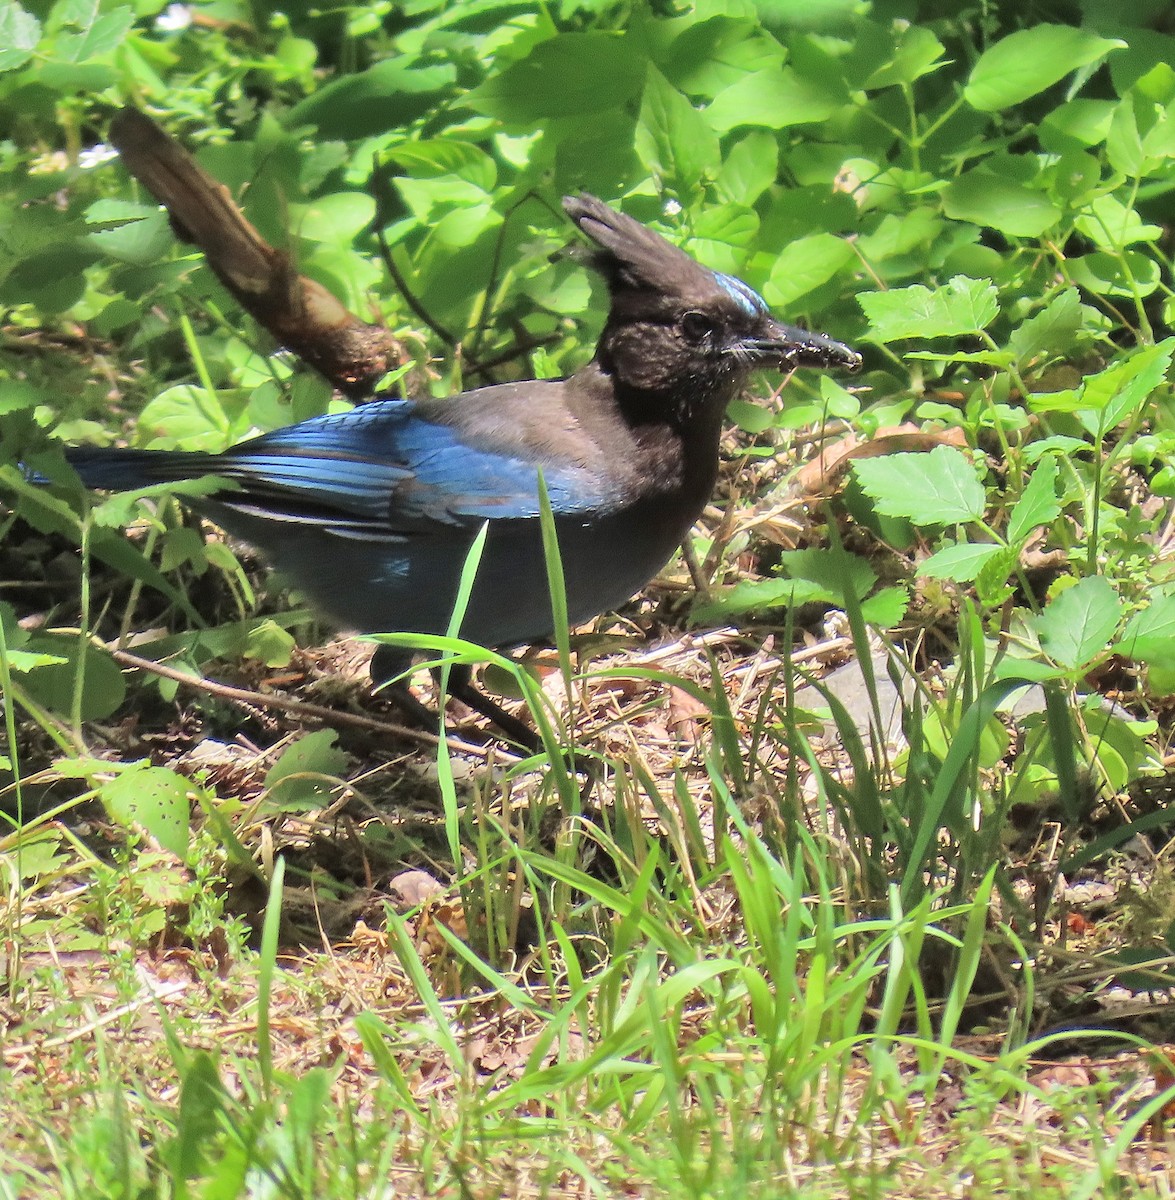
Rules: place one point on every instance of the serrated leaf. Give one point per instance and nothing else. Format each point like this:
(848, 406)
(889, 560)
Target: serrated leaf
(886, 607)
(1038, 503)
(963, 306)
(961, 562)
(1030, 60)
(939, 488)
(1053, 330)
(1077, 625)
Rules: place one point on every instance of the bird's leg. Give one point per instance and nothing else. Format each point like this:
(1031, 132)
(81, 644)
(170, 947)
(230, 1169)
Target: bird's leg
(461, 687)
(388, 662)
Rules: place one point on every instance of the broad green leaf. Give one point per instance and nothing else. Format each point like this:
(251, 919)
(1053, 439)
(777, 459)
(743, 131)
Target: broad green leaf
(917, 53)
(749, 169)
(386, 96)
(1077, 625)
(1111, 224)
(1053, 330)
(440, 157)
(939, 488)
(1038, 504)
(961, 562)
(306, 773)
(886, 607)
(1128, 274)
(103, 684)
(673, 138)
(804, 265)
(1150, 635)
(185, 415)
(987, 199)
(963, 306)
(1030, 60)
(19, 33)
(335, 218)
(1079, 122)
(713, 54)
(100, 36)
(776, 98)
(1112, 395)
(1140, 140)
(141, 242)
(566, 76)
(155, 799)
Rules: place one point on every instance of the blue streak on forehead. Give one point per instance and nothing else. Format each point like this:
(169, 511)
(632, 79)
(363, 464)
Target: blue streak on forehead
(746, 298)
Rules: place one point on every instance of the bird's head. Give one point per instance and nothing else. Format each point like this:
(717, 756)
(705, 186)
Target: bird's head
(680, 330)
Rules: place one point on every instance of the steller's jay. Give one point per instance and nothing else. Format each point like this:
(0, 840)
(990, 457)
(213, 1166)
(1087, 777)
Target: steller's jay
(371, 513)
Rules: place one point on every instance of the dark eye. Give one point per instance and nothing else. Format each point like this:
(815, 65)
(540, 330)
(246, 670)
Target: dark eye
(696, 326)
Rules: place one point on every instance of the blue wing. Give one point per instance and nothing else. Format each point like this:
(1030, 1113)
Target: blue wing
(384, 468)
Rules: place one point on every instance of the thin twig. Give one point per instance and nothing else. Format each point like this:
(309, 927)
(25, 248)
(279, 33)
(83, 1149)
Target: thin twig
(300, 708)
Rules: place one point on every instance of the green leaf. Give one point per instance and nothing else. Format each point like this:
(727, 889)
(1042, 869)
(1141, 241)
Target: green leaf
(939, 488)
(1113, 395)
(1038, 504)
(1150, 634)
(749, 169)
(1077, 625)
(991, 583)
(185, 415)
(1111, 224)
(156, 800)
(566, 76)
(1128, 273)
(961, 562)
(1053, 330)
(987, 199)
(99, 37)
(776, 98)
(295, 782)
(336, 218)
(19, 34)
(270, 643)
(24, 660)
(1030, 60)
(673, 138)
(963, 306)
(804, 265)
(886, 607)
(918, 53)
(103, 684)
(389, 95)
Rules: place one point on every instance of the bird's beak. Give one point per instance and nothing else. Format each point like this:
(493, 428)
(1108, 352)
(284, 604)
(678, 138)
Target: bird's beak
(787, 347)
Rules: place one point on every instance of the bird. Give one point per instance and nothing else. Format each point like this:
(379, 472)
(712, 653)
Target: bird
(371, 513)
